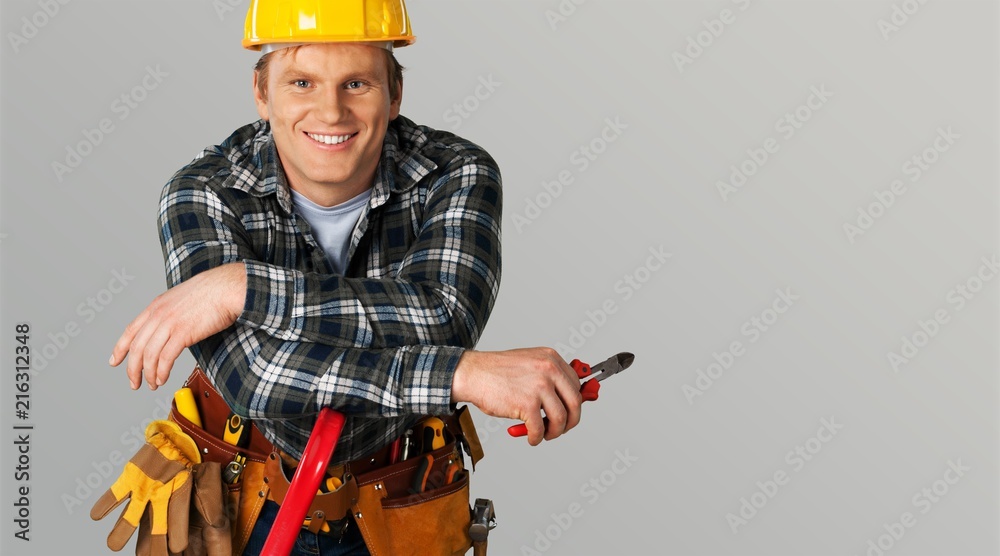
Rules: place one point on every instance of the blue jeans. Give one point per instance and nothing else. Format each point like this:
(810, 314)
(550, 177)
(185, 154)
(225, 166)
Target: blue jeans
(352, 544)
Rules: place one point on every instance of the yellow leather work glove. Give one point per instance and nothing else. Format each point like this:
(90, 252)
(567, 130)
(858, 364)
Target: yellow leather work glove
(157, 479)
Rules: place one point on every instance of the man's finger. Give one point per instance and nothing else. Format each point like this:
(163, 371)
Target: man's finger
(168, 355)
(151, 355)
(556, 413)
(136, 353)
(536, 428)
(571, 400)
(570, 373)
(123, 343)
(569, 391)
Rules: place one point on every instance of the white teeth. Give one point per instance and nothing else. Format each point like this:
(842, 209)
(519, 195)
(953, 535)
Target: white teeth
(329, 139)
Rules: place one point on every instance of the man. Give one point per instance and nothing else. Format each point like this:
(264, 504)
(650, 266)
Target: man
(336, 254)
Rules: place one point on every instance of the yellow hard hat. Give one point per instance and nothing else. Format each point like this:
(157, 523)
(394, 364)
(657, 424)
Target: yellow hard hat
(310, 21)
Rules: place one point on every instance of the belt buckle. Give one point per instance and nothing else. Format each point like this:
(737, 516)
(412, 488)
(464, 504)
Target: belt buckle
(338, 528)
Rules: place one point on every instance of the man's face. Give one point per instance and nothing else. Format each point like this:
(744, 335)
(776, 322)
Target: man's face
(316, 96)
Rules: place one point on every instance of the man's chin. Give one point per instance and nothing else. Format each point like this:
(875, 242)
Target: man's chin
(333, 180)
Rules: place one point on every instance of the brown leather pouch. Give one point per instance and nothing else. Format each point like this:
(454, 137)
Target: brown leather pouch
(246, 497)
(215, 412)
(393, 521)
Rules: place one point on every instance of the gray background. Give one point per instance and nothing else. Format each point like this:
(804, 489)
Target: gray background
(655, 186)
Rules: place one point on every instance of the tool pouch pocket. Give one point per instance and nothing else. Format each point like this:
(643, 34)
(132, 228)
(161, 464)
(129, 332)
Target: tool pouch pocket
(435, 522)
(394, 521)
(247, 495)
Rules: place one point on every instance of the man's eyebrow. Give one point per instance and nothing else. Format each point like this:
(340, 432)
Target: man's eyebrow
(298, 73)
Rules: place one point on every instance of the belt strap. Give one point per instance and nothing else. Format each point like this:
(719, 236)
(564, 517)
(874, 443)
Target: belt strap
(335, 505)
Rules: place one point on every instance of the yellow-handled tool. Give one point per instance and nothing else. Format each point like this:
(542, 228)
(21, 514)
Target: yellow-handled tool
(432, 434)
(186, 406)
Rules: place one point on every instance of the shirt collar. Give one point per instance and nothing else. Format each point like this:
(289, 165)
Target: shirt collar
(257, 169)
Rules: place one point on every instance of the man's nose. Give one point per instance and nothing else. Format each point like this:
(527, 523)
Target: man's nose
(331, 107)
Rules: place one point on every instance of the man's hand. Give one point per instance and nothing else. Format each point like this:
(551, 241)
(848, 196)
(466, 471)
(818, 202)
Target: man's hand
(519, 384)
(206, 304)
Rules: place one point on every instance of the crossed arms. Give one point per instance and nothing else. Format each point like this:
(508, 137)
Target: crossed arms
(280, 343)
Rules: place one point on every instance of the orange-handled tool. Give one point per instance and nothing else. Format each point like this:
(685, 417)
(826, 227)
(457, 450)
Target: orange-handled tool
(589, 389)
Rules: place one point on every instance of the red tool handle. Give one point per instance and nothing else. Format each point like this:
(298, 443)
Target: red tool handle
(302, 489)
(589, 391)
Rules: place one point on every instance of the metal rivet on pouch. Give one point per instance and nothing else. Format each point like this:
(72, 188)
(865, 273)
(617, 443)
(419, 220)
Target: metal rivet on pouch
(260, 493)
(205, 450)
(378, 486)
(372, 461)
(265, 480)
(357, 515)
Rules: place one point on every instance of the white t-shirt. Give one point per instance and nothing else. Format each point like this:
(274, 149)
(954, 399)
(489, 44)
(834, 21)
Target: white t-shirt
(332, 226)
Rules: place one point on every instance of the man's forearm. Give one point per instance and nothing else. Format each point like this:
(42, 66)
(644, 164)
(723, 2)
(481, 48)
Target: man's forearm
(265, 378)
(364, 312)
(442, 292)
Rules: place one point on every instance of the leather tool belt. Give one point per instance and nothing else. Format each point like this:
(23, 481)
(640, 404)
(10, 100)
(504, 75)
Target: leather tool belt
(393, 519)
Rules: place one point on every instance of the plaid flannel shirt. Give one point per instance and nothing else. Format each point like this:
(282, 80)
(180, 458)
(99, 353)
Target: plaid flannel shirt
(379, 343)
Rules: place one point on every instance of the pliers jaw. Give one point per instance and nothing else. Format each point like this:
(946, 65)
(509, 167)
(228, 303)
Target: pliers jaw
(611, 366)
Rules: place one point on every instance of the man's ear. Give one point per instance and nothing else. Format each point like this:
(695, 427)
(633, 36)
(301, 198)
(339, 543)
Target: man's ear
(395, 103)
(258, 99)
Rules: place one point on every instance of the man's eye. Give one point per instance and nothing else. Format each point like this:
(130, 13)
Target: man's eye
(300, 83)
(355, 84)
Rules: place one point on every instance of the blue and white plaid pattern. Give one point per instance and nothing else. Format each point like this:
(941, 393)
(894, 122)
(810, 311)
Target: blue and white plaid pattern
(380, 343)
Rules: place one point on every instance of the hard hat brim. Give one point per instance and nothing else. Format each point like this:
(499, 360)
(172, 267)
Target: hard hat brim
(397, 42)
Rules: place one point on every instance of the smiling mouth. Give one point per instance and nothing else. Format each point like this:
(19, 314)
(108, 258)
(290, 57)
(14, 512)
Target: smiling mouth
(330, 139)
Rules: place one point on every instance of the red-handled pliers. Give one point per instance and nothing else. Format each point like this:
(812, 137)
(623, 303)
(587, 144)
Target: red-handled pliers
(590, 387)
